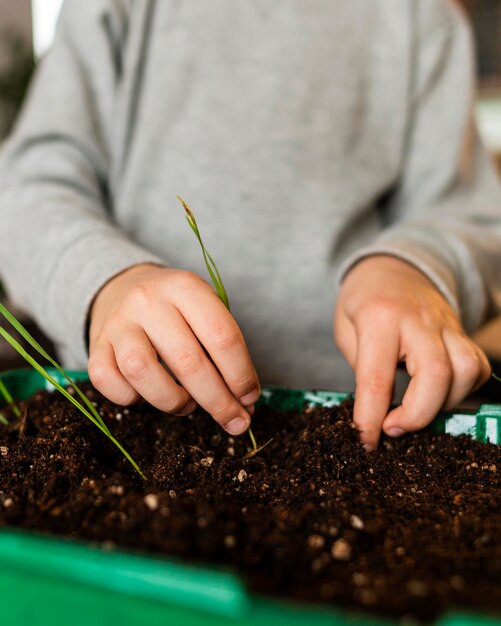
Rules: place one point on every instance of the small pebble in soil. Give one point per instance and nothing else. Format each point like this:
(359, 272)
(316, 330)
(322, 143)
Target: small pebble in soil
(4, 451)
(341, 550)
(8, 502)
(230, 541)
(151, 501)
(242, 475)
(317, 542)
(207, 461)
(356, 522)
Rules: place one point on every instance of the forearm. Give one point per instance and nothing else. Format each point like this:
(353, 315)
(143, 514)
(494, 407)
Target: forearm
(58, 250)
(59, 242)
(443, 215)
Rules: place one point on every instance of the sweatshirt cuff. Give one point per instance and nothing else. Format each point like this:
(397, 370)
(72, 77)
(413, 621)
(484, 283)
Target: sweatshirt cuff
(92, 261)
(465, 294)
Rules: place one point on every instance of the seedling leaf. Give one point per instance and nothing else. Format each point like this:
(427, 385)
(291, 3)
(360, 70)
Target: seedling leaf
(92, 415)
(221, 292)
(255, 450)
(10, 401)
(36, 346)
(209, 261)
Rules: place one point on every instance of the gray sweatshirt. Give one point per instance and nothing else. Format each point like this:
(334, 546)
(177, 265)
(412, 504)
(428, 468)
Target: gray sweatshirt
(305, 134)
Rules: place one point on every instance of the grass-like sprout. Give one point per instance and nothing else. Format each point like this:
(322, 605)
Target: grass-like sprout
(496, 377)
(85, 406)
(209, 261)
(221, 292)
(10, 401)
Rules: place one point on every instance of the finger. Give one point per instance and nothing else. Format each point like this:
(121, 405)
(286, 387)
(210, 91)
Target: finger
(486, 368)
(184, 356)
(345, 337)
(217, 331)
(107, 378)
(376, 362)
(431, 374)
(470, 367)
(138, 362)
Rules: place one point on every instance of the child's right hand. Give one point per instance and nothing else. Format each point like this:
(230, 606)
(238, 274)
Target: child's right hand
(148, 313)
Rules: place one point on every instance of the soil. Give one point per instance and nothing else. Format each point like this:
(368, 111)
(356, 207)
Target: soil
(411, 529)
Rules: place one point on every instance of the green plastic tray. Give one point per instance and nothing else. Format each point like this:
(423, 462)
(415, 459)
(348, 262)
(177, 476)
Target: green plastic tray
(46, 581)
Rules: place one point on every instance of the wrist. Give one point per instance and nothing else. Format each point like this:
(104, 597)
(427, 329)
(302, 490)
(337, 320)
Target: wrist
(378, 264)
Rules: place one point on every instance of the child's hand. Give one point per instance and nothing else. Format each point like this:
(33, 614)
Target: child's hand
(388, 311)
(149, 313)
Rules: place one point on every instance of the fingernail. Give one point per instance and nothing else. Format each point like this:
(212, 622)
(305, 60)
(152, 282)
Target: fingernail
(250, 398)
(187, 409)
(368, 447)
(395, 432)
(237, 426)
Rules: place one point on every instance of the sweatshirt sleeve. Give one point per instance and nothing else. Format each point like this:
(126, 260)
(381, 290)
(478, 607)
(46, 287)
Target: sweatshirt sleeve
(59, 242)
(444, 216)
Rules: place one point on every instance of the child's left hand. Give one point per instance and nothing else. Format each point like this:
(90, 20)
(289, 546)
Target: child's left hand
(388, 311)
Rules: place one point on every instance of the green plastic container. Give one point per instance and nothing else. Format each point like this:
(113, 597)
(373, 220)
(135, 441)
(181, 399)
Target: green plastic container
(46, 581)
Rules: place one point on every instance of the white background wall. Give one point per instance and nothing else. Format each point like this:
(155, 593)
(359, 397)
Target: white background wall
(45, 14)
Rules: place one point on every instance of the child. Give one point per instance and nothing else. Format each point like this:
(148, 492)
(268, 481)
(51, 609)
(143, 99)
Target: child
(328, 151)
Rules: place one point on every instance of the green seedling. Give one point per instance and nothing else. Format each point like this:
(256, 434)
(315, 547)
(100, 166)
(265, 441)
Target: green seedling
(10, 401)
(85, 406)
(221, 292)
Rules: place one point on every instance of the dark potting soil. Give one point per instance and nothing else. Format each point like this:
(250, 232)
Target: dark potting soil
(411, 529)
